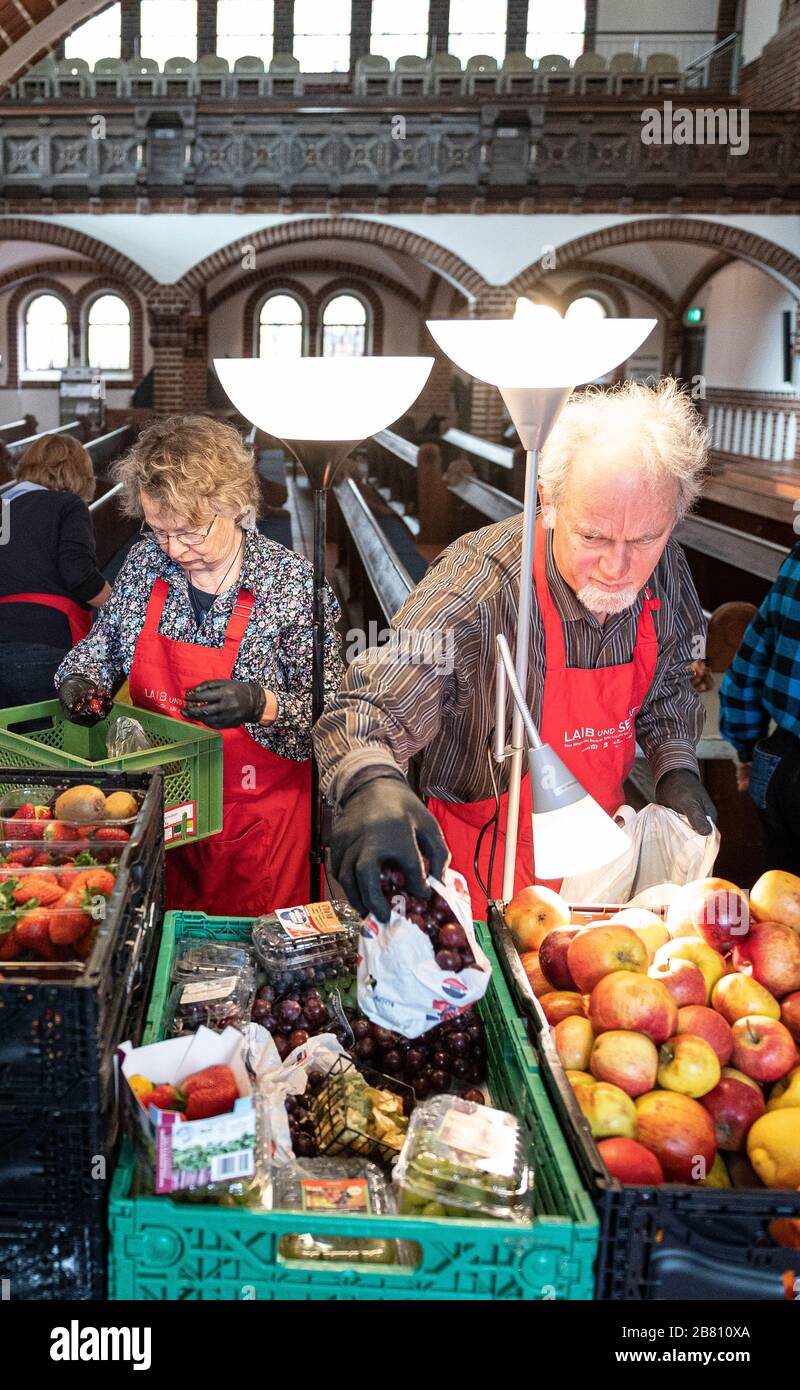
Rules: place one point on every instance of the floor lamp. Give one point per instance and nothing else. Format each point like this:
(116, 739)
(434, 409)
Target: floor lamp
(535, 359)
(321, 408)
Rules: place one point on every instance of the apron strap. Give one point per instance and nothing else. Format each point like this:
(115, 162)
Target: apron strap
(555, 654)
(80, 621)
(155, 607)
(237, 623)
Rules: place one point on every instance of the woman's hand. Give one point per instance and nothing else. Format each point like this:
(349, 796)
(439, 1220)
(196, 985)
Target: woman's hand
(83, 701)
(226, 704)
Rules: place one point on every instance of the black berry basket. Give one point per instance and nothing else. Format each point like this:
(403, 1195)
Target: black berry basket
(340, 1129)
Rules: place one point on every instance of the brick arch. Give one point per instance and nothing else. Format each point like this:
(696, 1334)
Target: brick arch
(594, 286)
(37, 284)
(358, 286)
(628, 279)
(109, 283)
(450, 266)
(105, 257)
(65, 266)
(746, 245)
(316, 265)
(274, 283)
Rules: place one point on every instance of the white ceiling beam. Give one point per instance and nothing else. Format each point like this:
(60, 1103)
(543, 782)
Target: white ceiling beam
(44, 35)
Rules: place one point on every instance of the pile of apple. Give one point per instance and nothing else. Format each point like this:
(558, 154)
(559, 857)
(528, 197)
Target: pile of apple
(680, 1035)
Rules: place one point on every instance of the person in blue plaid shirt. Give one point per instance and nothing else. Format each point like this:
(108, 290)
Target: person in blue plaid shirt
(762, 686)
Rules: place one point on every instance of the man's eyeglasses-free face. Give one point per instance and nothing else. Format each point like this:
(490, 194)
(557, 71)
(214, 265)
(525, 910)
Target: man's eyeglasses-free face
(192, 538)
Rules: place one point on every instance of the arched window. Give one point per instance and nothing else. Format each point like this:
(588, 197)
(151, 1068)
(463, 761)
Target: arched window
(556, 28)
(587, 309)
(46, 334)
(280, 327)
(109, 333)
(98, 38)
(477, 26)
(245, 29)
(169, 29)
(344, 327)
(399, 29)
(322, 35)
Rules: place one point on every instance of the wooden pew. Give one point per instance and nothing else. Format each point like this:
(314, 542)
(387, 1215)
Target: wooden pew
(18, 447)
(412, 476)
(372, 579)
(17, 429)
(107, 447)
(493, 463)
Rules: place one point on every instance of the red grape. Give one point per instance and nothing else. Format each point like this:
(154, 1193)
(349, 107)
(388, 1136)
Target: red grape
(297, 1038)
(447, 960)
(452, 937)
(365, 1048)
(440, 1080)
(477, 1097)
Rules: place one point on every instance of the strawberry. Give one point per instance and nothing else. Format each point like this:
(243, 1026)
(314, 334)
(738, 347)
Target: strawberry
(33, 934)
(9, 946)
(84, 944)
(40, 888)
(166, 1097)
(25, 821)
(71, 920)
(41, 859)
(57, 830)
(112, 832)
(212, 1091)
(92, 880)
(21, 856)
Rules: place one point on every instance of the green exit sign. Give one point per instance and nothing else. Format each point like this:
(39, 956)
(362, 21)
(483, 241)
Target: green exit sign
(695, 315)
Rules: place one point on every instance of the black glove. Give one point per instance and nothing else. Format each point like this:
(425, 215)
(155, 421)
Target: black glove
(379, 821)
(77, 693)
(225, 704)
(682, 791)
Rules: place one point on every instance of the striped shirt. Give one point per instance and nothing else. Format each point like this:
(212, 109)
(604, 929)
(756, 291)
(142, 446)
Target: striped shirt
(431, 688)
(763, 681)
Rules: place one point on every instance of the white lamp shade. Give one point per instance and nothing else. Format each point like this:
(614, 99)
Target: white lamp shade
(323, 398)
(575, 839)
(538, 351)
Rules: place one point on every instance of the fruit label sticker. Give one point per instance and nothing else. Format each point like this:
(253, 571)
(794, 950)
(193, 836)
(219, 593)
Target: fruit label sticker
(206, 990)
(173, 820)
(335, 1194)
(486, 1134)
(314, 919)
(194, 1153)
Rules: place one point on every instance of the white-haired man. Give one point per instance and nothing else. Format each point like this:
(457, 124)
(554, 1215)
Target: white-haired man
(616, 621)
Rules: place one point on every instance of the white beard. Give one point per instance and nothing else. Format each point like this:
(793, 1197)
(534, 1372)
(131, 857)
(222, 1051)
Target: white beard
(599, 600)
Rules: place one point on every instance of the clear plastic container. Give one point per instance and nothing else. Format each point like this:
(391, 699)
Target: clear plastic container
(305, 946)
(49, 912)
(462, 1159)
(214, 984)
(207, 959)
(43, 800)
(324, 1186)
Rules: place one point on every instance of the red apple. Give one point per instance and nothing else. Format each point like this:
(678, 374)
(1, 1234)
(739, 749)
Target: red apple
(688, 1065)
(736, 995)
(573, 1038)
(634, 1002)
(630, 1162)
(775, 897)
(763, 1048)
(715, 908)
(790, 1014)
(628, 1060)
(532, 913)
(708, 961)
(684, 980)
(734, 1105)
(553, 957)
(560, 1004)
(708, 1024)
(598, 951)
(679, 1132)
(770, 955)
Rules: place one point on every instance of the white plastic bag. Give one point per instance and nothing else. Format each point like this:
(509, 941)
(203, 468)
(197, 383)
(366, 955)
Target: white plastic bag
(276, 1080)
(400, 986)
(665, 851)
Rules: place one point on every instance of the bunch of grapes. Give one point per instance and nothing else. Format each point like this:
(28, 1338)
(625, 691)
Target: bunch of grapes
(433, 917)
(93, 701)
(301, 1121)
(450, 1056)
(291, 1018)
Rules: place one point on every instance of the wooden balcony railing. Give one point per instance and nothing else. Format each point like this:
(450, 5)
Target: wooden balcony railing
(759, 425)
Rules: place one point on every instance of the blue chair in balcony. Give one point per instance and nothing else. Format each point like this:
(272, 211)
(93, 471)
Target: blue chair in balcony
(71, 78)
(178, 78)
(411, 76)
(554, 74)
(284, 79)
(248, 77)
(142, 77)
(373, 75)
(447, 77)
(211, 76)
(108, 77)
(38, 84)
(516, 75)
(480, 75)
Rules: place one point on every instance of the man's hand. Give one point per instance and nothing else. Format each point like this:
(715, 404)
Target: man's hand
(384, 820)
(83, 701)
(682, 791)
(225, 704)
(742, 777)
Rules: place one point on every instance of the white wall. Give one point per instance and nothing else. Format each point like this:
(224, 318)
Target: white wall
(760, 24)
(654, 14)
(744, 329)
(41, 403)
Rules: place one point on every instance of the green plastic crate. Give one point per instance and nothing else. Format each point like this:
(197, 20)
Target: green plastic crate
(190, 758)
(160, 1249)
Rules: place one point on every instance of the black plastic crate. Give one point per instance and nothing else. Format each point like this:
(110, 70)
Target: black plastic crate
(58, 1039)
(668, 1242)
(52, 1261)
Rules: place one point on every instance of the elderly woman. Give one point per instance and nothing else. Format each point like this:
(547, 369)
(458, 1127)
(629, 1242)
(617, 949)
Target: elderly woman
(49, 580)
(615, 622)
(212, 623)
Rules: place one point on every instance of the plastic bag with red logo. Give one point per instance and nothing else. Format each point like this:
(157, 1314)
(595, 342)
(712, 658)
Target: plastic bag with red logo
(664, 853)
(400, 984)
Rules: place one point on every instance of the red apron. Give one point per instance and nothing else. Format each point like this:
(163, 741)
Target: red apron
(588, 718)
(79, 619)
(261, 859)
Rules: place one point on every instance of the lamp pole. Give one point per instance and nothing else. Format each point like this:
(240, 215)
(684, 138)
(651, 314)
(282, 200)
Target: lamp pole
(521, 667)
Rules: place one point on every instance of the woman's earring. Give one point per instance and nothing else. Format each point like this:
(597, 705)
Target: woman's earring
(247, 520)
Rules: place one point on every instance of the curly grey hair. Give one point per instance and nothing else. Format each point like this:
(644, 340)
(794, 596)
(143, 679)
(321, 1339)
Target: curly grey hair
(663, 435)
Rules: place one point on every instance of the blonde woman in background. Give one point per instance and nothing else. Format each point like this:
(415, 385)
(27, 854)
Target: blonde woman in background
(49, 580)
(212, 623)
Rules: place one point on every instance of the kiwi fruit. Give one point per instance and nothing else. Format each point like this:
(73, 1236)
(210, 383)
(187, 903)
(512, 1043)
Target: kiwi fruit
(83, 805)
(121, 806)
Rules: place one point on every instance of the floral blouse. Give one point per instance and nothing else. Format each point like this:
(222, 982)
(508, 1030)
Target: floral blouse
(275, 650)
